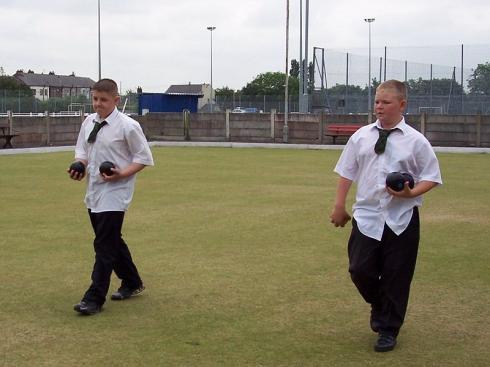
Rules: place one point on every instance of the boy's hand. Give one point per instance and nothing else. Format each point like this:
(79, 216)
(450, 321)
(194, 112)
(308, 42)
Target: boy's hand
(119, 173)
(405, 193)
(116, 175)
(74, 175)
(339, 217)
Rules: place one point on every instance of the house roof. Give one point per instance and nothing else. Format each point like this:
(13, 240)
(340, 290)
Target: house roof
(53, 80)
(187, 89)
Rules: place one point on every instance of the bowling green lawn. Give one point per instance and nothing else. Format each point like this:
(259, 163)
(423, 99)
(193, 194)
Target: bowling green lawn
(241, 266)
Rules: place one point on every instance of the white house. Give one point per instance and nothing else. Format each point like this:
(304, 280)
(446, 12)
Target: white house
(50, 85)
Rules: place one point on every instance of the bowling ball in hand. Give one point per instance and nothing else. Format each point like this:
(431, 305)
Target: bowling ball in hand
(105, 168)
(395, 181)
(409, 178)
(78, 167)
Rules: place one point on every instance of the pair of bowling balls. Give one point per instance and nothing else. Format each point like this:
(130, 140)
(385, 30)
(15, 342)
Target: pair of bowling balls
(396, 180)
(105, 167)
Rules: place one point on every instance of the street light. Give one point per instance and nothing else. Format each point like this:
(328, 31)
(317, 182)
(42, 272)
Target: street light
(98, 23)
(211, 29)
(285, 129)
(369, 21)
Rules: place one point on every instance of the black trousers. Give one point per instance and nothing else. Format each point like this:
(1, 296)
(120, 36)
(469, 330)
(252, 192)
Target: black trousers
(383, 270)
(111, 253)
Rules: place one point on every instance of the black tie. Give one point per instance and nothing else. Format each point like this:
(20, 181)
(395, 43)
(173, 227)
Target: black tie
(95, 130)
(380, 146)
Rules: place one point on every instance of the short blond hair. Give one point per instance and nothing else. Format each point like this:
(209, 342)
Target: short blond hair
(395, 85)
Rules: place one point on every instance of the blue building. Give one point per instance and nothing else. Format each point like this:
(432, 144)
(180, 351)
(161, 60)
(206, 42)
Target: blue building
(167, 102)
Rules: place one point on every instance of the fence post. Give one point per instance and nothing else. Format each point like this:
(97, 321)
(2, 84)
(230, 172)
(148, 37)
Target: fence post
(227, 124)
(187, 135)
(10, 118)
(321, 127)
(478, 130)
(423, 120)
(273, 124)
(48, 128)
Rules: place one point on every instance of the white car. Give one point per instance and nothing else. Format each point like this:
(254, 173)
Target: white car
(238, 110)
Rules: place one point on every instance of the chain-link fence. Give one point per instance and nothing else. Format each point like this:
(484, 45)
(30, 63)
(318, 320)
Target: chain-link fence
(19, 101)
(345, 103)
(438, 80)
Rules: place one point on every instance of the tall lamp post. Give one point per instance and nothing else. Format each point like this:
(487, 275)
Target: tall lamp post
(211, 29)
(98, 24)
(285, 129)
(370, 106)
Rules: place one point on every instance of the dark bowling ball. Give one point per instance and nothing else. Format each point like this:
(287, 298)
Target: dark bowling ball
(105, 168)
(78, 167)
(409, 178)
(395, 181)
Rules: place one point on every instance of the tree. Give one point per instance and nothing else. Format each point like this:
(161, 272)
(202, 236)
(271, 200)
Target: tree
(440, 87)
(271, 84)
(10, 83)
(224, 92)
(294, 71)
(339, 89)
(310, 77)
(2, 72)
(479, 81)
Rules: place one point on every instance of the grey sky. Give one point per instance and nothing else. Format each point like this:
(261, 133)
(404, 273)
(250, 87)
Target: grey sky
(153, 44)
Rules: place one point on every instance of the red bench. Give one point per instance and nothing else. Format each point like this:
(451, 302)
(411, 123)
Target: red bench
(336, 130)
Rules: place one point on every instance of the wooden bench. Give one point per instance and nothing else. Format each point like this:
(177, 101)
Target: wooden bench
(7, 136)
(336, 130)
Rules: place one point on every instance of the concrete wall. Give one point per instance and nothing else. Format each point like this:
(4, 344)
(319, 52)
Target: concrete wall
(43, 131)
(441, 130)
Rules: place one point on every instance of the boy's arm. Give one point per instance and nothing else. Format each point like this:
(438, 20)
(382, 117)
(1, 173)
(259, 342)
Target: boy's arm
(339, 216)
(421, 188)
(127, 171)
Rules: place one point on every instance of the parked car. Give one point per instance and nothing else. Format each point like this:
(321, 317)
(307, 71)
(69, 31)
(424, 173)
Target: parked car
(238, 110)
(246, 110)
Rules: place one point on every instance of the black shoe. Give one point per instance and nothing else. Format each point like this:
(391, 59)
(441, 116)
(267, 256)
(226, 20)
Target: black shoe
(87, 308)
(385, 343)
(125, 293)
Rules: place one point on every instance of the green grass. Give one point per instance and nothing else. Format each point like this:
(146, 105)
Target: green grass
(241, 265)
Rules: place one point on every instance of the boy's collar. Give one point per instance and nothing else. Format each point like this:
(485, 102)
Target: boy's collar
(401, 125)
(109, 118)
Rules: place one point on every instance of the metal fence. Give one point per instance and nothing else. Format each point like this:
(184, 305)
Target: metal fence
(437, 78)
(353, 104)
(18, 101)
(445, 71)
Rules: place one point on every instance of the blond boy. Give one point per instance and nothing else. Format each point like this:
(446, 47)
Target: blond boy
(384, 240)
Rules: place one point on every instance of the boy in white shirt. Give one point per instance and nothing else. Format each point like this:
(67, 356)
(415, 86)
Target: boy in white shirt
(109, 135)
(385, 230)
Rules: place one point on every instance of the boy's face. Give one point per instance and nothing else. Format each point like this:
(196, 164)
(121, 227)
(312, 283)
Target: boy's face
(389, 107)
(104, 103)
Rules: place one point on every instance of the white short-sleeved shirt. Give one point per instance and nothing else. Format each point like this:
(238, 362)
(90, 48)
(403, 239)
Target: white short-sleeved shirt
(121, 142)
(407, 150)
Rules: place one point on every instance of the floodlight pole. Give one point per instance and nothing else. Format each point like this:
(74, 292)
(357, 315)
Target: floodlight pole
(304, 77)
(211, 29)
(98, 23)
(285, 132)
(370, 107)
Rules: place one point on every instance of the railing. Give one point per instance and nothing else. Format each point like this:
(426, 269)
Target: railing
(51, 114)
